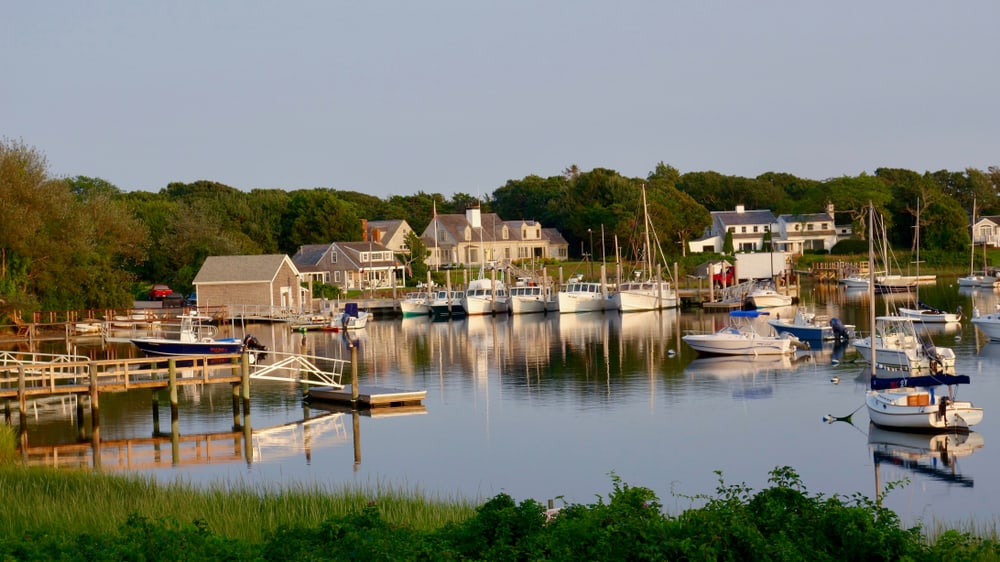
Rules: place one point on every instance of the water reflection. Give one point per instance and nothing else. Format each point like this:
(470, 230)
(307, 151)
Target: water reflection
(931, 456)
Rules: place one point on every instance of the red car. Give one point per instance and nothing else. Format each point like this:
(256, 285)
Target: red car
(160, 292)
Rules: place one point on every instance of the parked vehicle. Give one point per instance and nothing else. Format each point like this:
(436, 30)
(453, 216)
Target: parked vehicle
(159, 292)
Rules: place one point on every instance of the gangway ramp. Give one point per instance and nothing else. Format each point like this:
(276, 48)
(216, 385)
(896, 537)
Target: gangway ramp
(299, 368)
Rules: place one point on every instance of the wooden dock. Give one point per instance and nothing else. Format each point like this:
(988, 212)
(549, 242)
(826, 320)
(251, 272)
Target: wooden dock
(369, 396)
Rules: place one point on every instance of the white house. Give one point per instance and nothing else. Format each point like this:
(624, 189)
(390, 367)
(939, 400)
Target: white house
(987, 231)
(790, 233)
(474, 239)
(748, 229)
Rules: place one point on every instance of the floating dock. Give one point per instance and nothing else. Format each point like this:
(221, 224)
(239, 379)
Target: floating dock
(368, 395)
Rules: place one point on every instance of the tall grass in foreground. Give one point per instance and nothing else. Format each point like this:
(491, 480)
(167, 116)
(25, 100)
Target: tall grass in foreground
(76, 502)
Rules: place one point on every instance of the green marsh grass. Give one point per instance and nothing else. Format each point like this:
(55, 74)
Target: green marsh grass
(76, 502)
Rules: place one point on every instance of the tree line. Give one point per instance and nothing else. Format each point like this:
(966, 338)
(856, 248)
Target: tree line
(81, 242)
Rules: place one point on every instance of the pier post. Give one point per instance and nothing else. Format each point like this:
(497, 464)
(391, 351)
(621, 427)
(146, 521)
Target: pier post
(95, 404)
(245, 382)
(172, 387)
(22, 398)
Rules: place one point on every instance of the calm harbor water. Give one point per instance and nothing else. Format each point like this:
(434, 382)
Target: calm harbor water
(550, 406)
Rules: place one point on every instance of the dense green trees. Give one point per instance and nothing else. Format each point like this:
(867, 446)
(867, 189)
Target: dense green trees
(82, 242)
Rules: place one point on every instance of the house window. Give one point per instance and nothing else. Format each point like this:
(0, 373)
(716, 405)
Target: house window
(747, 246)
(809, 226)
(336, 276)
(767, 228)
(468, 234)
(743, 230)
(333, 256)
(506, 232)
(732, 229)
(755, 228)
(798, 227)
(365, 257)
(538, 233)
(823, 226)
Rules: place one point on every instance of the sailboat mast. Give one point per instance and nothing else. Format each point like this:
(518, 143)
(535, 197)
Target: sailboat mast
(871, 282)
(645, 224)
(972, 238)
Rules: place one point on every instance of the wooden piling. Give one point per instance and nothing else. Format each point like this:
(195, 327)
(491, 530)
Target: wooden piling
(245, 383)
(22, 399)
(95, 403)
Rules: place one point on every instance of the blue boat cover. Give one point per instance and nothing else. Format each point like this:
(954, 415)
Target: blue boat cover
(927, 380)
(748, 313)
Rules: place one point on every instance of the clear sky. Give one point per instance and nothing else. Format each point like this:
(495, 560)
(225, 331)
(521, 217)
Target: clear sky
(460, 96)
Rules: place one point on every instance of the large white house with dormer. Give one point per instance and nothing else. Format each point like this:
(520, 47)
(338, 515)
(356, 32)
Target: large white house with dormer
(475, 239)
(759, 230)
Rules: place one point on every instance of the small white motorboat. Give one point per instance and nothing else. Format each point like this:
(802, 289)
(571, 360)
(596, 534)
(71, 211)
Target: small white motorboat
(989, 324)
(740, 337)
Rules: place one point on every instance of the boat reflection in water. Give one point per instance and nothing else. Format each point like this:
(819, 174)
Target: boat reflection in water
(932, 455)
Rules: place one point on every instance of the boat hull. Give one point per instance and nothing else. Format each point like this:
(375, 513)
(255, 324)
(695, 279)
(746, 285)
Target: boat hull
(637, 301)
(803, 332)
(898, 409)
(412, 309)
(989, 324)
(572, 302)
(156, 346)
(931, 316)
(738, 344)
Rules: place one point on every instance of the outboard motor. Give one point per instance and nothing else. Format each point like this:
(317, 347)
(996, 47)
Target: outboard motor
(839, 331)
(934, 359)
(258, 351)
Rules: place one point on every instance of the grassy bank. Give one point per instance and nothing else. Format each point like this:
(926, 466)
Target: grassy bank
(74, 502)
(73, 515)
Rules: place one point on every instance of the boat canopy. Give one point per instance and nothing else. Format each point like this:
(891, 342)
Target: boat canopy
(748, 313)
(883, 383)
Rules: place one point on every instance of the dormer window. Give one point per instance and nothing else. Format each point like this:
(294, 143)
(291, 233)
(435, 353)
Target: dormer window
(333, 255)
(468, 234)
(506, 232)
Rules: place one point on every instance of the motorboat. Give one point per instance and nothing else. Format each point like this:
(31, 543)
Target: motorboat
(353, 318)
(530, 298)
(192, 338)
(856, 281)
(415, 304)
(446, 304)
(485, 296)
(808, 326)
(900, 348)
(645, 295)
(740, 337)
(765, 296)
(927, 313)
(989, 324)
(585, 296)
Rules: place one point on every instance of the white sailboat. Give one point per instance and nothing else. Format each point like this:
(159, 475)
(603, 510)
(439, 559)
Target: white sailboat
(649, 291)
(911, 401)
(924, 312)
